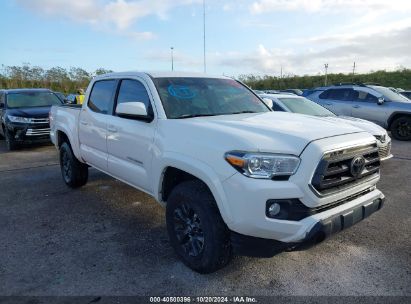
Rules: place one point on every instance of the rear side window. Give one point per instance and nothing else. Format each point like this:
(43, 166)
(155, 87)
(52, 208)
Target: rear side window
(337, 94)
(101, 96)
(133, 90)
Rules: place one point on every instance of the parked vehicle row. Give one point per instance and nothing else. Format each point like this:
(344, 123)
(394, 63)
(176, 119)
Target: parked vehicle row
(233, 176)
(375, 103)
(302, 105)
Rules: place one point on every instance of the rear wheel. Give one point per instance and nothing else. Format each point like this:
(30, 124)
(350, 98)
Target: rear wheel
(401, 128)
(75, 173)
(196, 230)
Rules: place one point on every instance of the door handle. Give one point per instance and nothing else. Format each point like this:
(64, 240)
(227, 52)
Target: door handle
(84, 122)
(356, 106)
(112, 129)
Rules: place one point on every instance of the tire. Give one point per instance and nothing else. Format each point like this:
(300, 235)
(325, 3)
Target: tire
(75, 173)
(401, 128)
(10, 142)
(196, 230)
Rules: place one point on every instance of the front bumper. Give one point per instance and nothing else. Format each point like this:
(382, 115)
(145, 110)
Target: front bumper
(321, 230)
(29, 133)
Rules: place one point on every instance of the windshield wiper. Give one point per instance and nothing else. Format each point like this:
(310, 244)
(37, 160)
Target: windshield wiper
(193, 115)
(243, 112)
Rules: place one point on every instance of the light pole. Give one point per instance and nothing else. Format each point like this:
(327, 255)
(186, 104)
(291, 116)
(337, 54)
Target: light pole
(326, 70)
(204, 36)
(172, 58)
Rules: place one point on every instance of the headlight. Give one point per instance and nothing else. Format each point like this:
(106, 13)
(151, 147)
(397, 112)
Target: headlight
(19, 119)
(263, 165)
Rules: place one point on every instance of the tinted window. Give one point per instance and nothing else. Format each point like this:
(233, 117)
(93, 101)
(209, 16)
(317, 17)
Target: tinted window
(133, 90)
(337, 94)
(101, 96)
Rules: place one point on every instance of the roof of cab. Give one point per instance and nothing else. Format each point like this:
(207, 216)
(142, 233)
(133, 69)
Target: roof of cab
(159, 74)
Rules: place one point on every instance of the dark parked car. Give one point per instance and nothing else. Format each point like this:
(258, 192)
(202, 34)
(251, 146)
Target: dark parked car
(24, 115)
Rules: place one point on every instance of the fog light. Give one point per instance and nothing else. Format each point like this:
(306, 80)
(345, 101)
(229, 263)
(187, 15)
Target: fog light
(274, 209)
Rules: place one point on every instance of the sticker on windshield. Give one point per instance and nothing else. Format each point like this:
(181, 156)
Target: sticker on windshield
(180, 91)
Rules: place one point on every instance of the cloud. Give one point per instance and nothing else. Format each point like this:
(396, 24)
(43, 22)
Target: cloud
(361, 6)
(387, 50)
(111, 15)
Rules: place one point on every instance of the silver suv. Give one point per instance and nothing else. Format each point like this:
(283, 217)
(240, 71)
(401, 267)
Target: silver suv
(375, 103)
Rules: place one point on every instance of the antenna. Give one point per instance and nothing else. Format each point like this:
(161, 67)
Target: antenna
(204, 35)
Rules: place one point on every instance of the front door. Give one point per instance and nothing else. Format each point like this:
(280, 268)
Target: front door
(130, 141)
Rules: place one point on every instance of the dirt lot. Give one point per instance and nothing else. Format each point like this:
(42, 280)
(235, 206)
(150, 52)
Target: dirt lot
(109, 239)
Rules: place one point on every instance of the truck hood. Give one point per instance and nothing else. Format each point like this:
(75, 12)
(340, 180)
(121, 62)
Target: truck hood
(362, 124)
(276, 132)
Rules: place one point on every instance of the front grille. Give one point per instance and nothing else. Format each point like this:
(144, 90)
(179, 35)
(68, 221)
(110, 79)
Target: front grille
(337, 170)
(385, 151)
(38, 132)
(39, 120)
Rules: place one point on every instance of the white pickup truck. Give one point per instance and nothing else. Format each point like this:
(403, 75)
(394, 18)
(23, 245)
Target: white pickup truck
(234, 176)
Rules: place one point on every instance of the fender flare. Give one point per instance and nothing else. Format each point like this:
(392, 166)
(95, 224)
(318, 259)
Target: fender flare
(198, 169)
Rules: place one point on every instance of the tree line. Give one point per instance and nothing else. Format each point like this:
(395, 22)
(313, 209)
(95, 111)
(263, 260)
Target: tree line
(70, 80)
(400, 78)
(57, 78)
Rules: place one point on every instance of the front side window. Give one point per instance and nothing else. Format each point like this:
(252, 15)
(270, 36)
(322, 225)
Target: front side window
(134, 91)
(363, 96)
(190, 97)
(31, 99)
(101, 96)
(305, 106)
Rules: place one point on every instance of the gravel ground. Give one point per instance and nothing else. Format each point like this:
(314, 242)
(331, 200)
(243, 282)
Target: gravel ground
(110, 239)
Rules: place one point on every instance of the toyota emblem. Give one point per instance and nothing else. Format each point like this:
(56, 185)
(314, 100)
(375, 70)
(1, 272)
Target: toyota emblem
(357, 166)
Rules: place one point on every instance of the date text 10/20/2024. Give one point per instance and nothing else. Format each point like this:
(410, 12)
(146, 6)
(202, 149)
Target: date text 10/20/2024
(234, 299)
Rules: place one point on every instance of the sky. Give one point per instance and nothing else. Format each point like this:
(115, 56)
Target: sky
(261, 37)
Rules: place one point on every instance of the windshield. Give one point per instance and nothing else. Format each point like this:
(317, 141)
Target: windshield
(191, 97)
(31, 99)
(305, 106)
(388, 94)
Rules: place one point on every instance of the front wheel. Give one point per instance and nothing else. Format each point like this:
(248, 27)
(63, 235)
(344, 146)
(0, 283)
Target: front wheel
(401, 128)
(10, 142)
(75, 173)
(196, 230)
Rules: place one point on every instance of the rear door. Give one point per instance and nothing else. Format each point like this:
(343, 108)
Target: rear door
(93, 123)
(130, 140)
(337, 100)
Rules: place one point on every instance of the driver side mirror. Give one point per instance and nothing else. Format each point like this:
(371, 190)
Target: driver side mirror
(133, 110)
(268, 102)
(380, 100)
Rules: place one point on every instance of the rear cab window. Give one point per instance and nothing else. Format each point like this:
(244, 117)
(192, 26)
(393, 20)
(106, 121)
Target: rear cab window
(102, 96)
